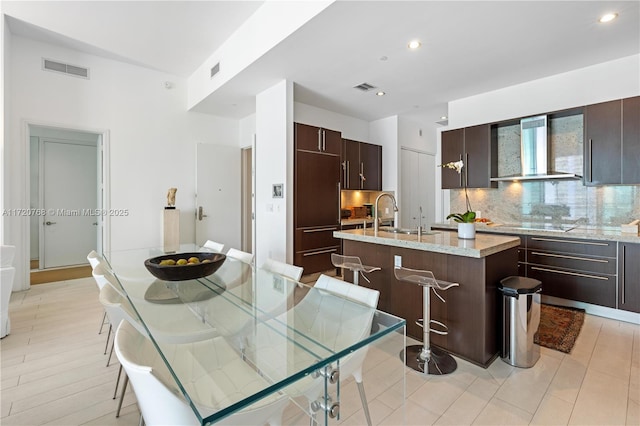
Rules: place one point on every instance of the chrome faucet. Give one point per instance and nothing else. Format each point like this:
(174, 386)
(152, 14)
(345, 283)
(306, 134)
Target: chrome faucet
(375, 214)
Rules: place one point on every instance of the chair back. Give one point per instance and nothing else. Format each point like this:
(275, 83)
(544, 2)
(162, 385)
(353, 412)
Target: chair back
(102, 275)
(213, 246)
(6, 255)
(94, 259)
(289, 271)
(158, 401)
(354, 328)
(243, 256)
(6, 287)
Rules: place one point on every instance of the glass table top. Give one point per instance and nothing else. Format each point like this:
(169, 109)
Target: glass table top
(243, 337)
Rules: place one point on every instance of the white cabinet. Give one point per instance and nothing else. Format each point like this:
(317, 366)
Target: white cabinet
(417, 188)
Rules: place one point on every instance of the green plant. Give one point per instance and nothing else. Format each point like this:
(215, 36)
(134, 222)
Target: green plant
(469, 216)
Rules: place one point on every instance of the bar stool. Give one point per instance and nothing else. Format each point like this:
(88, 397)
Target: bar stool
(437, 361)
(354, 264)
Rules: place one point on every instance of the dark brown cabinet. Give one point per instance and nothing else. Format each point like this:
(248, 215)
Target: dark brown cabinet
(316, 198)
(612, 142)
(474, 146)
(317, 139)
(629, 278)
(361, 166)
(580, 270)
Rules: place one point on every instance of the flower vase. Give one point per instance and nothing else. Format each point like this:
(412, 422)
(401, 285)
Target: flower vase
(467, 231)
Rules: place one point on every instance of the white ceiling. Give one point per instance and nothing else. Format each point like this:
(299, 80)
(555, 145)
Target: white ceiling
(467, 47)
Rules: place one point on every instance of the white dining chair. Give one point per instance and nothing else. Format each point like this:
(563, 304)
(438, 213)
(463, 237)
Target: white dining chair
(329, 316)
(211, 372)
(7, 273)
(242, 256)
(214, 246)
(285, 269)
(94, 259)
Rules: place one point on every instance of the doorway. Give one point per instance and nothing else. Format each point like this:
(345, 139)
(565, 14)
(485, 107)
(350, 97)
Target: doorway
(64, 177)
(247, 202)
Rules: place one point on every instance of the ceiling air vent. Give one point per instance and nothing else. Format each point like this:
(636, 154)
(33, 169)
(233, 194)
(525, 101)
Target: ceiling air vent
(215, 69)
(49, 65)
(365, 87)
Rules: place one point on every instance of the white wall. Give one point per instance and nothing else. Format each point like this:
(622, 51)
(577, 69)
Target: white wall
(152, 137)
(385, 132)
(598, 83)
(5, 103)
(350, 127)
(274, 164)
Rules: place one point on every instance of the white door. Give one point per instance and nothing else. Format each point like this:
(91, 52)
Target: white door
(417, 192)
(218, 195)
(69, 187)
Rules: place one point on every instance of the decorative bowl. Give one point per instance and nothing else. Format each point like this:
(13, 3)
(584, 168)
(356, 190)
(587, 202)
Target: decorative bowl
(189, 271)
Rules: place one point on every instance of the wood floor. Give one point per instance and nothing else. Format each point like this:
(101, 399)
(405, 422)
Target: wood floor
(53, 372)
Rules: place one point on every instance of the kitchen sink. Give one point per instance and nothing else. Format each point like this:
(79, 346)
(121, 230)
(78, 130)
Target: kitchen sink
(405, 231)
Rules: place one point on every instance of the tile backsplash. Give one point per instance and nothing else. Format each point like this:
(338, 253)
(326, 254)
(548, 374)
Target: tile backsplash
(551, 201)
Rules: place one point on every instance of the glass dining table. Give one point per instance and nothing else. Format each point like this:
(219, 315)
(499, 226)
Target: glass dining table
(244, 341)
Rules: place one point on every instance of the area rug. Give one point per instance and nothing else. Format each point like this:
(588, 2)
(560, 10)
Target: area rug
(559, 327)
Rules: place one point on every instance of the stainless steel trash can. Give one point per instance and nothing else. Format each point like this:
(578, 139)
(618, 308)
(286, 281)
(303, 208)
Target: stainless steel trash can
(521, 317)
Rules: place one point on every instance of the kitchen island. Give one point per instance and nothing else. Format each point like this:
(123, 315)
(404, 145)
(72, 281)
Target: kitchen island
(472, 311)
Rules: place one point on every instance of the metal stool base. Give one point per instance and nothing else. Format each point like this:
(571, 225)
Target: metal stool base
(439, 364)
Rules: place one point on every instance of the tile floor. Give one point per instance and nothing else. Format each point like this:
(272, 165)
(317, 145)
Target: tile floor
(53, 372)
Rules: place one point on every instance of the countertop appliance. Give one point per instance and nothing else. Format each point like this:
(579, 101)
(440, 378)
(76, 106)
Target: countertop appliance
(345, 213)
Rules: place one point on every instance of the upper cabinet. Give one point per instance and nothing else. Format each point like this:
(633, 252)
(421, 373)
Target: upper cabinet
(361, 166)
(472, 145)
(317, 139)
(612, 142)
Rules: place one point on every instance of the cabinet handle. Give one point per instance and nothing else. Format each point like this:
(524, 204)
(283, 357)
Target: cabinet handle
(324, 140)
(586, 259)
(622, 274)
(590, 160)
(570, 242)
(466, 165)
(461, 173)
(315, 253)
(570, 273)
(339, 211)
(362, 178)
(348, 177)
(309, 231)
(319, 140)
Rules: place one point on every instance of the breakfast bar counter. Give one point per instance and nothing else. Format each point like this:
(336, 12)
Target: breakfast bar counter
(471, 312)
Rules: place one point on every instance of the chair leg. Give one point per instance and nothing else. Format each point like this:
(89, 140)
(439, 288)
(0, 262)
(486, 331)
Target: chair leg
(124, 389)
(365, 405)
(104, 317)
(115, 392)
(107, 344)
(111, 352)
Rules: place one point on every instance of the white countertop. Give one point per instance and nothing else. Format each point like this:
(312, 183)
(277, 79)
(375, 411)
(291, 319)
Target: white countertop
(439, 242)
(603, 233)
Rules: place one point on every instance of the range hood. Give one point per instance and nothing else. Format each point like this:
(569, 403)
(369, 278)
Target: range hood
(535, 153)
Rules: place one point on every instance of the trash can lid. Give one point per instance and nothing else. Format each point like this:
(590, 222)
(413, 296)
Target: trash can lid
(519, 285)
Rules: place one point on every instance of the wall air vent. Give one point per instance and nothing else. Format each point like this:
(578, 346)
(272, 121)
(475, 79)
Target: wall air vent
(49, 65)
(365, 87)
(215, 69)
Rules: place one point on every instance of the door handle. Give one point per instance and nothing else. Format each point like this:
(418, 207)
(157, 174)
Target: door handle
(48, 223)
(319, 139)
(200, 213)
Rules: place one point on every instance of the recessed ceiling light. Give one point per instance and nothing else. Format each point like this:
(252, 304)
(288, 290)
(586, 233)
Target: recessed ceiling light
(444, 117)
(608, 17)
(380, 93)
(383, 58)
(414, 44)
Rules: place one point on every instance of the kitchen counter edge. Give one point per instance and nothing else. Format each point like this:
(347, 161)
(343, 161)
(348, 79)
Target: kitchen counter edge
(441, 242)
(577, 233)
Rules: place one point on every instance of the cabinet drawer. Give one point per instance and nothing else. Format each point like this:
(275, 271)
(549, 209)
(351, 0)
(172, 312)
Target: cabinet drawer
(601, 265)
(315, 238)
(315, 260)
(583, 287)
(565, 245)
